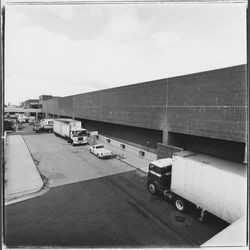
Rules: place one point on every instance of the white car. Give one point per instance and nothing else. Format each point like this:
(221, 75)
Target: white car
(100, 151)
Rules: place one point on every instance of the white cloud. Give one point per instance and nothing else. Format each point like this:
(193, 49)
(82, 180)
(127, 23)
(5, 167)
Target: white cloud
(63, 11)
(126, 28)
(126, 50)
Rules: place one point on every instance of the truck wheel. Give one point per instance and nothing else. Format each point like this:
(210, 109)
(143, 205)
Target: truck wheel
(180, 204)
(151, 188)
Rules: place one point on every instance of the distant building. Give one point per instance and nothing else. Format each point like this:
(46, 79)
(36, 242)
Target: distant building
(14, 112)
(31, 104)
(43, 98)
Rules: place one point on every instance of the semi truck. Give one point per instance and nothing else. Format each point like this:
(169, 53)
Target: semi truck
(213, 184)
(71, 130)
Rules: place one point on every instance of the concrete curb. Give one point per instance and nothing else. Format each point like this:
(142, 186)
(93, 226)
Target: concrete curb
(26, 196)
(131, 165)
(23, 177)
(22, 193)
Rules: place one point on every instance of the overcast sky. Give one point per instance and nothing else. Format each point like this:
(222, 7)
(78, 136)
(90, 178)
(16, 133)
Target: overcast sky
(72, 49)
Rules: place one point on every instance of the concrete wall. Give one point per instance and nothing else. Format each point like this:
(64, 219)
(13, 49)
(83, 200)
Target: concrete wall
(128, 148)
(139, 105)
(210, 104)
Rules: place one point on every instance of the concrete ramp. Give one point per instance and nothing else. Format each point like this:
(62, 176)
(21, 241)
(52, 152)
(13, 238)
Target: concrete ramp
(21, 174)
(234, 235)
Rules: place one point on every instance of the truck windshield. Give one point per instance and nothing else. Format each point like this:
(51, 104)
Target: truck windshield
(79, 133)
(100, 146)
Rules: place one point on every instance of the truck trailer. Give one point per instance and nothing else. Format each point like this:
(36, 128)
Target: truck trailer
(213, 184)
(71, 130)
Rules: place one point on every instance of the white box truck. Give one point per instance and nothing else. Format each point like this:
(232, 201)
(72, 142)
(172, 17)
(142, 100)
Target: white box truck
(213, 184)
(45, 125)
(71, 130)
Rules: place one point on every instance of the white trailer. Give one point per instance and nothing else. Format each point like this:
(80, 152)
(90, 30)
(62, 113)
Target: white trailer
(70, 130)
(213, 184)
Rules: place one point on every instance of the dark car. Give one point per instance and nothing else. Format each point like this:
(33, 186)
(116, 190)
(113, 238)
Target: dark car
(9, 125)
(37, 127)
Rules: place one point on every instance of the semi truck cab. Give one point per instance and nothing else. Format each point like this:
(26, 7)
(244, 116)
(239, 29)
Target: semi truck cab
(159, 181)
(159, 175)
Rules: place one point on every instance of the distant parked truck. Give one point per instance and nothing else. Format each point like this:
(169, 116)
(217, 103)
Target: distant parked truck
(45, 125)
(213, 184)
(71, 130)
(21, 118)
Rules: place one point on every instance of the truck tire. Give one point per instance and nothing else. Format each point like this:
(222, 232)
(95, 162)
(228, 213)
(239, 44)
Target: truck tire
(151, 188)
(180, 204)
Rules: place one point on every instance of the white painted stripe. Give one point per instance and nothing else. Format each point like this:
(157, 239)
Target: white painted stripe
(154, 173)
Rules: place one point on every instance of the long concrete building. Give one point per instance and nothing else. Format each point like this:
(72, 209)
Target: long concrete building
(205, 112)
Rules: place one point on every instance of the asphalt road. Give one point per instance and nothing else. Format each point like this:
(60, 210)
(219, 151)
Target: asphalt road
(97, 203)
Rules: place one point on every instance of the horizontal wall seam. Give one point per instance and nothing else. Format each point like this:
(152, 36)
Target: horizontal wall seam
(193, 106)
(211, 106)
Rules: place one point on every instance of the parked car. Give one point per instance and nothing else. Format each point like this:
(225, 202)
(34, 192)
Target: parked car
(37, 127)
(100, 151)
(9, 125)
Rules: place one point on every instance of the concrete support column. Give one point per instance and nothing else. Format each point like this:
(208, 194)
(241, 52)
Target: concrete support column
(165, 137)
(246, 153)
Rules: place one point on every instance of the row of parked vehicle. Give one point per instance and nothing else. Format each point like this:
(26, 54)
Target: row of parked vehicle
(15, 122)
(72, 131)
(12, 125)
